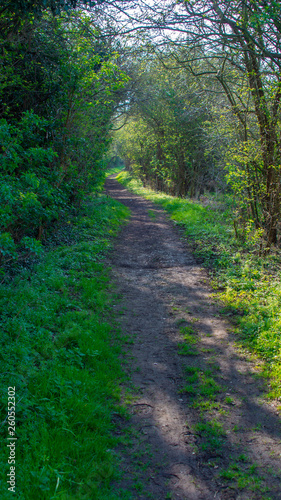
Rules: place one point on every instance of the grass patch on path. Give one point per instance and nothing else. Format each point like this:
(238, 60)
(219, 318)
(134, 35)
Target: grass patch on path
(60, 350)
(251, 284)
(113, 170)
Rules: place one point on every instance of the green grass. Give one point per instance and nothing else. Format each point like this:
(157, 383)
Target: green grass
(248, 286)
(187, 347)
(60, 348)
(200, 384)
(212, 435)
(114, 170)
(244, 475)
(205, 396)
(152, 214)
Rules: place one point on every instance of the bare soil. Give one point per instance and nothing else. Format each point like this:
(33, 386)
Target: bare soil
(170, 456)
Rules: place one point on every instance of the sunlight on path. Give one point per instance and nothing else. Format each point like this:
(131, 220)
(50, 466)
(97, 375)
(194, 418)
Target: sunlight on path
(187, 451)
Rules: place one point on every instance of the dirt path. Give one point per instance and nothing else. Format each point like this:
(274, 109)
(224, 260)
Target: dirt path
(202, 427)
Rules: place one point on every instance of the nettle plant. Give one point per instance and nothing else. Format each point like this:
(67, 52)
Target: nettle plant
(28, 196)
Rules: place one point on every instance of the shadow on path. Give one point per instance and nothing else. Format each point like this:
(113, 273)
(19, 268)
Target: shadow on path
(163, 288)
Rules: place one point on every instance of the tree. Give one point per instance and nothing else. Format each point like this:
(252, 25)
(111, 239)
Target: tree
(36, 7)
(58, 91)
(166, 142)
(243, 35)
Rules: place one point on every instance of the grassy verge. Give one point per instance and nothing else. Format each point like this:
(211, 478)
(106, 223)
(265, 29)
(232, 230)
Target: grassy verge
(248, 285)
(114, 170)
(60, 351)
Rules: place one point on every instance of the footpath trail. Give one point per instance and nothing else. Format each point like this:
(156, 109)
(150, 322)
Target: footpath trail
(202, 428)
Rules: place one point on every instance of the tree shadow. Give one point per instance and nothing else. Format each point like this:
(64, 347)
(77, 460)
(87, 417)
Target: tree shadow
(210, 436)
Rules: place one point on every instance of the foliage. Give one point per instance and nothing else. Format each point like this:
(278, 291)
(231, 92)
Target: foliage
(240, 44)
(20, 9)
(207, 94)
(60, 349)
(164, 140)
(58, 90)
(28, 200)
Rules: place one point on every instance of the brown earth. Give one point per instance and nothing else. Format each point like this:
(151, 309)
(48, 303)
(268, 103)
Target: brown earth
(178, 449)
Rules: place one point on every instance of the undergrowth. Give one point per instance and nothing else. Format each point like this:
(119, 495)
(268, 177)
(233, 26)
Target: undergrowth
(60, 349)
(248, 285)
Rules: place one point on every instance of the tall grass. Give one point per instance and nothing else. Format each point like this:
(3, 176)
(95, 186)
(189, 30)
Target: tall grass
(60, 348)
